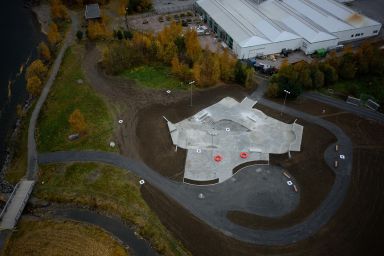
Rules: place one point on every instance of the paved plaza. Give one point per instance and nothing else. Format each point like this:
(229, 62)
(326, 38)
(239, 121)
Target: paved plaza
(230, 133)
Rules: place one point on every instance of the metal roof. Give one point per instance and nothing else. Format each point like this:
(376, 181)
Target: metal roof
(249, 23)
(92, 11)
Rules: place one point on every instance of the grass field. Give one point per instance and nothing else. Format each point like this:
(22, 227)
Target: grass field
(110, 190)
(65, 96)
(48, 237)
(158, 77)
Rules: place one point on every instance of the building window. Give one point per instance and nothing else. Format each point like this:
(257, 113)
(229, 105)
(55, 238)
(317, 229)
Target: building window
(351, 35)
(362, 34)
(375, 31)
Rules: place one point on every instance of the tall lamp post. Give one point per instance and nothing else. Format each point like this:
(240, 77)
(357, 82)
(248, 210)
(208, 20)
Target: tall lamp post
(285, 98)
(191, 85)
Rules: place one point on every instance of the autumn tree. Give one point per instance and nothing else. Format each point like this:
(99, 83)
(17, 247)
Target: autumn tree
(97, 30)
(304, 78)
(38, 69)
(227, 66)
(77, 122)
(53, 35)
(249, 80)
(175, 65)
(34, 86)
(58, 10)
(192, 44)
(44, 52)
(209, 73)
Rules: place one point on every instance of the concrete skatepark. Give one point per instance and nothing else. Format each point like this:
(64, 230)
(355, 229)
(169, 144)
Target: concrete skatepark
(228, 134)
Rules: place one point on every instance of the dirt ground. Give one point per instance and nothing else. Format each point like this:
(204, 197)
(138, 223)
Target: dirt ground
(356, 229)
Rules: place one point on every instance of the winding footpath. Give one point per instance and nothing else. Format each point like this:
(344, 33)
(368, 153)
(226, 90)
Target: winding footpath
(32, 149)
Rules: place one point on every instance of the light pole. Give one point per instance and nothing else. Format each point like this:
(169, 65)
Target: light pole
(191, 85)
(285, 98)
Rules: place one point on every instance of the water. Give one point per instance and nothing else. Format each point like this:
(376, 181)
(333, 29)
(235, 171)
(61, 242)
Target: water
(19, 39)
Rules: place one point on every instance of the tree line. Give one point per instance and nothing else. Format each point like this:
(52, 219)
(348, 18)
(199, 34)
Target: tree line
(180, 49)
(363, 64)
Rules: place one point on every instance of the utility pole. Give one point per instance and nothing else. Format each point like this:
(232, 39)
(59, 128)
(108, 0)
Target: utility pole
(285, 98)
(191, 85)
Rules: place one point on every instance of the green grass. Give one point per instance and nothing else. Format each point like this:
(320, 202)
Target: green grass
(158, 77)
(360, 88)
(110, 190)
(65, 96)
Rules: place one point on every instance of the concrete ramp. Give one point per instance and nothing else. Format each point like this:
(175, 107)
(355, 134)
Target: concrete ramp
(15, 204)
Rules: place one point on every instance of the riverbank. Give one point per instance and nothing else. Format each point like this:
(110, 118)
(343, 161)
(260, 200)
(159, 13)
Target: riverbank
(20, 49)
(42, 13)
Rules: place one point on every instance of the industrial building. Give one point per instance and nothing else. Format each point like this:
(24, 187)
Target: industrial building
(254, 27)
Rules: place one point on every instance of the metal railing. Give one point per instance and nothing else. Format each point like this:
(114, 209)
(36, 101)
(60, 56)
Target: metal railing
(9, 200)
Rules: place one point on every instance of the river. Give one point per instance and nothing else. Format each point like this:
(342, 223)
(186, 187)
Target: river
(21, 35)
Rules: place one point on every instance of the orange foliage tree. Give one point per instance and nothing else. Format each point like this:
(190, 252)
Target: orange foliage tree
(34, 86)
(37, 68)
(58, 10)
(44, 52)
(53, 35)
(77, 122)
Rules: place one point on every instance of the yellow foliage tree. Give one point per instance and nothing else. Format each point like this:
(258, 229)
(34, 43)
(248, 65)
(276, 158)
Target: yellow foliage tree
(77, 122)
(196, 71)
(36, 68)
(44, 52)
(34, 86)
(97, 30)
(53, 35)
(227, 66)
(175, 66)
(58, 10)
(192, 45)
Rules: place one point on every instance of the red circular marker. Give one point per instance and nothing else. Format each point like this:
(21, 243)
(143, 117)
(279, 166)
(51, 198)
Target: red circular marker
(218, 158)
(244, 154)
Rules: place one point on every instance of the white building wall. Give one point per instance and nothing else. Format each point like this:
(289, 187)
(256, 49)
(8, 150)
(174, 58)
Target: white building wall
(310, 48)
(266, 49)
(358, 33)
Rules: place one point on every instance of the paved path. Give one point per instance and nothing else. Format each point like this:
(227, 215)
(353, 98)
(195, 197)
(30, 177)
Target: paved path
(213, 212)
(359, 111)
(32, 150)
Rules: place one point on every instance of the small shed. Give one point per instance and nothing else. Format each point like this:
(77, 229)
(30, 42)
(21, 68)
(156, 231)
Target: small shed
(92, 11)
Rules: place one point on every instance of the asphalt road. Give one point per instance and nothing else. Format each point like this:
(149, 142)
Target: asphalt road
(359, 111)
